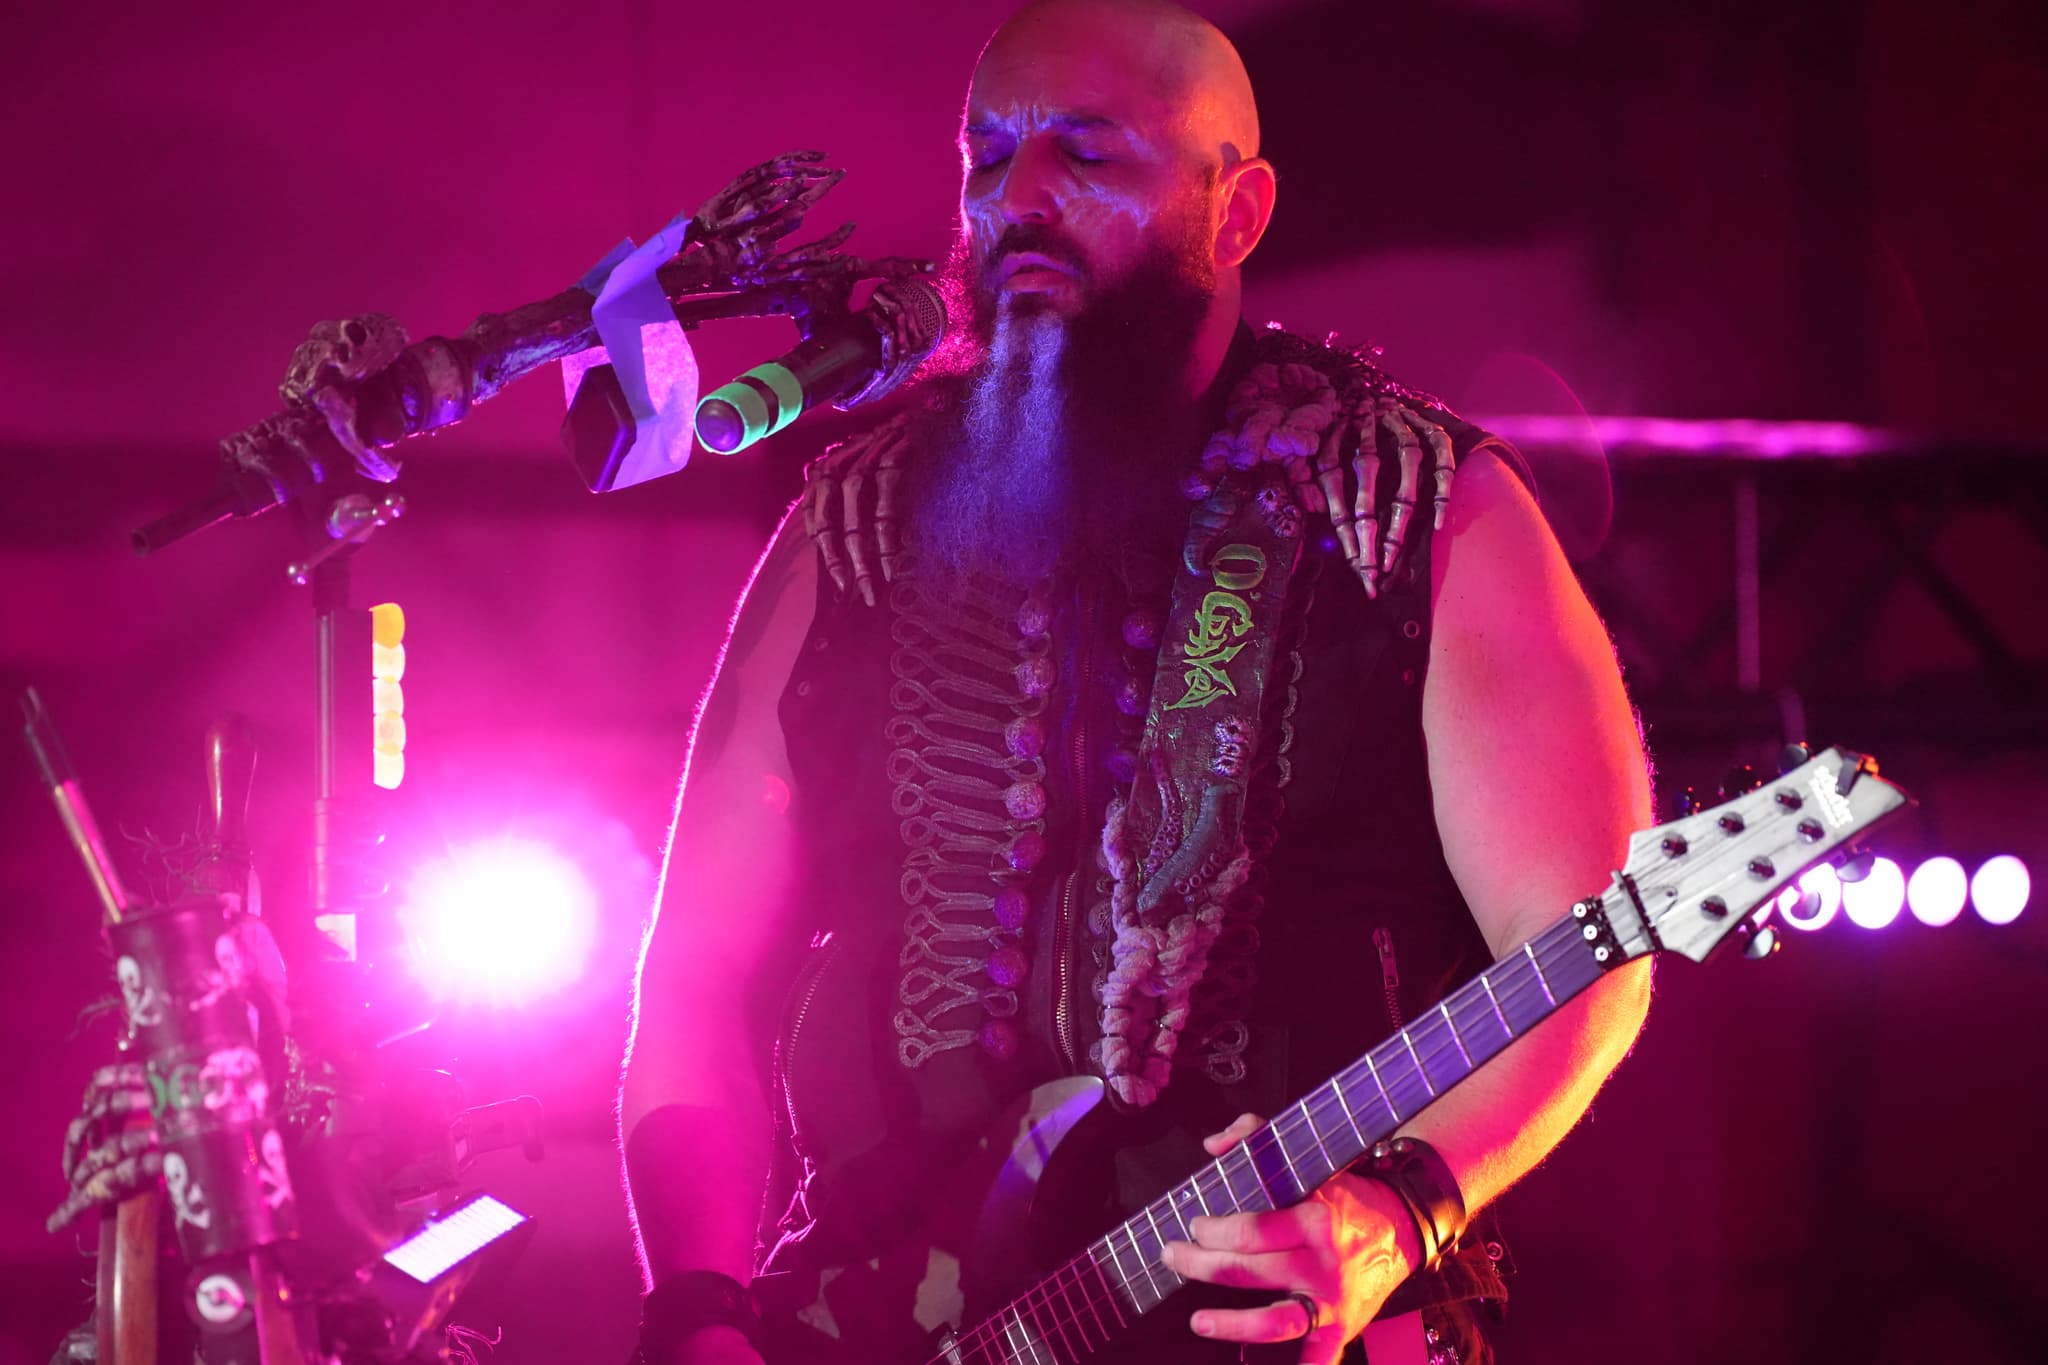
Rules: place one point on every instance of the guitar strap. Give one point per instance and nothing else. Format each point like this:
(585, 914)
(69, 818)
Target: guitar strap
(1176, 846)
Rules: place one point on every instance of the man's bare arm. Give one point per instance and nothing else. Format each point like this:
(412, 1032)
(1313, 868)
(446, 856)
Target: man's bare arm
(1539, 777)
(691, 1114)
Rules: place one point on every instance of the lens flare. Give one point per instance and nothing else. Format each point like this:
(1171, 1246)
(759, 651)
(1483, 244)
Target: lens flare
(1876, 901)
(1936, 891)
(505, 920)
(2000, 889)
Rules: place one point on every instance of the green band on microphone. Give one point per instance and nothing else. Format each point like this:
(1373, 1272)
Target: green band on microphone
(789, 394)
(748, 403)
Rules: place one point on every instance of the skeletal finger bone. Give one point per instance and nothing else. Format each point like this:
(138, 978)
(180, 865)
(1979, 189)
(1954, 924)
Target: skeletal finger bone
(1443, 461)
(818, 523)
(888, 479)
(856, 546)
(1409, 448)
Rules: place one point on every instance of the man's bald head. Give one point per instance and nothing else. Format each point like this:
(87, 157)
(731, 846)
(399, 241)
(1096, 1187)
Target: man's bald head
(1167, 56)
(1111, 170)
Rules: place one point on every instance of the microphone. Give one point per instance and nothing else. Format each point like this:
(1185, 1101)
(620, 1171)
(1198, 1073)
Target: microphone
(849, 361)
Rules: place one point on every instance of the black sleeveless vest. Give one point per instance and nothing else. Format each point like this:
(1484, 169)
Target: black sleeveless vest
(1360, 928)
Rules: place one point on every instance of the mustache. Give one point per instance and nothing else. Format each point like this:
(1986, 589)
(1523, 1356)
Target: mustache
(1036, 237)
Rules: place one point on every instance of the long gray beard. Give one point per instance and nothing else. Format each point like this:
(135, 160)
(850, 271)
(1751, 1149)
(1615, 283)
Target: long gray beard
(996, 498)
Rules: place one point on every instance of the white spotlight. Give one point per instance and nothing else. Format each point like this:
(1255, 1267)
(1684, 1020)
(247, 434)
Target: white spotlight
(2000, 889)
(1936, 891)
(1876, 901)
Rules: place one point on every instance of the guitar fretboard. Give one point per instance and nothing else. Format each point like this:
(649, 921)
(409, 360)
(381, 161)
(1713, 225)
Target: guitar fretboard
(1091, 1299)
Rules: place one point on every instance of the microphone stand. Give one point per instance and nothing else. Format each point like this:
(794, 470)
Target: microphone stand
(728, 266)
(259, 1256)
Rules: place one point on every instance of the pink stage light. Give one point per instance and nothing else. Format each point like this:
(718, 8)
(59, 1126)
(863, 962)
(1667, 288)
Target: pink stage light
(1876, 901)
(1936, 891)
(1826, 888)
(503, 921)
(2000, 889)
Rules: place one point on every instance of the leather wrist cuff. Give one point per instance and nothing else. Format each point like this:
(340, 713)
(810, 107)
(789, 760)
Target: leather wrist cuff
(690, 1301)
(1413, 1169)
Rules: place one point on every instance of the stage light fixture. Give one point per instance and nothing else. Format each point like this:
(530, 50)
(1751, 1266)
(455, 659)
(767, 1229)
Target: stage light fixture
(418, 1281)
(2000, 889)
(1936, 891)
(387, 694)
(505, 920)
(1876, 901)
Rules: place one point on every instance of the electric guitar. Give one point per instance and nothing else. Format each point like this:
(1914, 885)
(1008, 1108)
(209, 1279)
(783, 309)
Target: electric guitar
(1690, 887)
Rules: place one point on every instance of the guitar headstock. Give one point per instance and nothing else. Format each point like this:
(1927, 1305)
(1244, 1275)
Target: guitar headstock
(1700, 878)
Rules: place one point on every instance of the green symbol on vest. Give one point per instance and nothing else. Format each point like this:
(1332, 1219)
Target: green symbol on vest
(1220, 627)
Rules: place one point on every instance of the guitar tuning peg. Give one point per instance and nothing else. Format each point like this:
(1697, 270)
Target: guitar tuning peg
(1741, 778)
(1856, 866)
(1792, 756)
(1761, 944)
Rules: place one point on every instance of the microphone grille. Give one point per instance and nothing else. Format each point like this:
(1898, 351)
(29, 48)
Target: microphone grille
(926, 310)
(920, 314)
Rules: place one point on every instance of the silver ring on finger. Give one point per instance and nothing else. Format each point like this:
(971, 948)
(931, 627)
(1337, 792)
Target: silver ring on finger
(1312, 1312)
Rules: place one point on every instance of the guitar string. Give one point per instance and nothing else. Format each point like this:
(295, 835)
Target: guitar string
(1071, 1276)
(1041, 1307)
(1026, 1316)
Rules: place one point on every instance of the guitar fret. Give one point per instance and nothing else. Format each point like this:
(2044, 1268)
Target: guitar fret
(1280, 1141)
(1145, 1263)
(1337, 1087)
(1419, 1070)
(1381, 1086)
(1494, 1001)
(1018, 1338)
(1444, 1008)
(1310, 1119)
(1230, 1186)
(1108, 1291)
(1118, 1262)
(1131, 1282)
(1059, 1327)
(1180, 1222)
(1069, 1314)
(1060, 1320)
(1152, 1261)
(1541, 980)
(1035, 1341)
(1088, 1298)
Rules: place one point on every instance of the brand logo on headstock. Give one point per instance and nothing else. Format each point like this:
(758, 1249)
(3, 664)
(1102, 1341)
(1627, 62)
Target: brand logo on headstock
(1834, 807)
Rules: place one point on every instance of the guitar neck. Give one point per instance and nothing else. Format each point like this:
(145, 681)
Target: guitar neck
(1092, 1298)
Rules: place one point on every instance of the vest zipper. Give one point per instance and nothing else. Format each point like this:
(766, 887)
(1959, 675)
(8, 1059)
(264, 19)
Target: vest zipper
(1390, 972)
(1062, 947)
(1063, 929)
(814, 970)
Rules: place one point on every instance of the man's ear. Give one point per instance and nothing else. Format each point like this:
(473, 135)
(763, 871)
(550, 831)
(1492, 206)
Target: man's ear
(1248, 188)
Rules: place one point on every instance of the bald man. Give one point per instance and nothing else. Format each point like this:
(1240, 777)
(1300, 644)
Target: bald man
(1109, 714)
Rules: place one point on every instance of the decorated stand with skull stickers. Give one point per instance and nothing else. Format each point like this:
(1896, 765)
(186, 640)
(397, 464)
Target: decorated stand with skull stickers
(186, 979)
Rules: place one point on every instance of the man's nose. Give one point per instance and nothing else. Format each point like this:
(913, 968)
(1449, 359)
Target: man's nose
(1031, 189)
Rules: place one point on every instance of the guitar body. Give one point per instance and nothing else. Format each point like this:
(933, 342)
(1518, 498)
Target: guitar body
(995, 1225)
(978, 1281)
